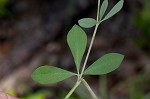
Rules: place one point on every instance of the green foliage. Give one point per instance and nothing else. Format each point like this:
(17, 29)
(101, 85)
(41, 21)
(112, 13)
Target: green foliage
(114, 10)
(147, 96)
(3, 10)
(50, 74)
(87, 22)
(137, 84)
(103, 8)
(77, 41)
(142, 21)
(38, 95)
(35, 96)
(105, 64)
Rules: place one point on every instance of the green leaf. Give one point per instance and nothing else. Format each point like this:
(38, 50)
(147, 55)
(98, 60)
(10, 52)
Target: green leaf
(87, 22)
(50, 74)
(77, 41)
(105, 64)
(103, 8)
(114, 10)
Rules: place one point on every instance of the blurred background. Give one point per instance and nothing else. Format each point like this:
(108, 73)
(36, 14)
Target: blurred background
(33, 33)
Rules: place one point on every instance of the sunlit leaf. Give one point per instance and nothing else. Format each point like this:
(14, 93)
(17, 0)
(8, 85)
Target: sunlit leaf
(50, 74)
(77, 41)
(105, 64)
(87, 22)
(103, 8)
(114, 10)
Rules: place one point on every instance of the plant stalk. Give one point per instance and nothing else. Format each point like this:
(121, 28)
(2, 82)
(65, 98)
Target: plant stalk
(89, 88)
(85, 62)
(73, 89)
(89, 50)
(103, 86)
(93, 37)
(98, 10)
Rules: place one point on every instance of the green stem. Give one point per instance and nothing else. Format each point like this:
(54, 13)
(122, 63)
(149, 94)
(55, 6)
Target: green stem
(98, 10)
(103, 86)
(89, 50)
(73, 89)
(89, 88)
(85, 62)
(93, 37)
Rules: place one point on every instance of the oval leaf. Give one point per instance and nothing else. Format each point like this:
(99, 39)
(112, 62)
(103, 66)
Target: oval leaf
(87, 22)
(77, 41)
(114, 10)
(50, 74)
(103, 8)
(105, 64)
